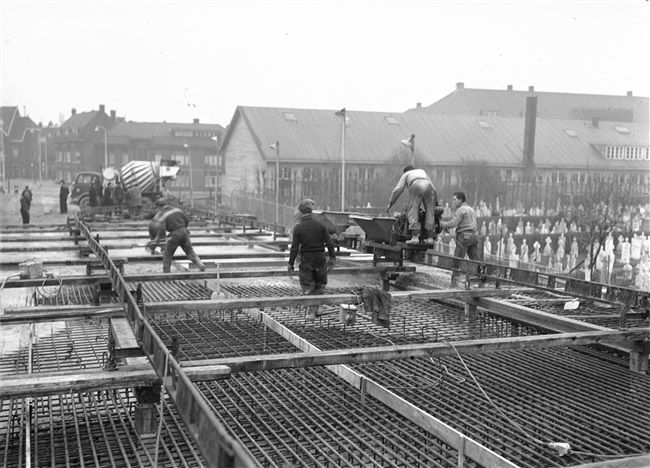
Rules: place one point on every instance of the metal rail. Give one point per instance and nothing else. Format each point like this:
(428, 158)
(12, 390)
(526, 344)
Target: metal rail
(217, 446)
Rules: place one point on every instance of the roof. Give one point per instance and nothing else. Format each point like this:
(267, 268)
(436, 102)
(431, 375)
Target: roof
(511, 103)
(158, 132)
(308, 135)
(8, 115)
(80, 119)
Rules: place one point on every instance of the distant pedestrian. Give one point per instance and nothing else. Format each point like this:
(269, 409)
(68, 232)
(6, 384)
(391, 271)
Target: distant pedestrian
(28, 194)
(118, 195)
(93, 198)
(24, 207)
(63, 197)
(135, 201)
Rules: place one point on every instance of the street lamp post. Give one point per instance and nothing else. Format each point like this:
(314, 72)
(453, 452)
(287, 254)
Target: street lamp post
(216, 178)
(98, 128)
(276, 147)
(341, 114)
(410, 144)
(189, 157)
(40, 154)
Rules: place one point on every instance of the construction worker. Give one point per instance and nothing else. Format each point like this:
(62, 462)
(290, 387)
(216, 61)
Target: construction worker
(175, 222)
(421, 192)
(310, 238)
(467, 243)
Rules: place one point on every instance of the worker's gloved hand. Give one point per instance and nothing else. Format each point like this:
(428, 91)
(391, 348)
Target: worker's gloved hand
(330, 263)
(290, 267)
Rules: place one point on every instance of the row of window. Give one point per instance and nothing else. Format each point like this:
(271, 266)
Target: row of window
(638, 153)
(193, 133)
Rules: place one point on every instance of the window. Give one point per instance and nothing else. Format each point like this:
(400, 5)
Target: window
(621, 129)
(181, 159)
(210, 160)
(634, 153)
(570, 132)
(366, 173)
(491, 113)
(290, 117)
(285, 173)
(391, 120)
(308, 174)
(484, 124)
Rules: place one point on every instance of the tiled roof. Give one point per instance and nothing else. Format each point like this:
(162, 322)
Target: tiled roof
(315, 135)
(157, 129)
(8, 114)
(512, 103)
(79, 120)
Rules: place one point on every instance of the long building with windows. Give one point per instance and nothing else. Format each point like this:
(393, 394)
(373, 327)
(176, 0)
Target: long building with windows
(492, 148)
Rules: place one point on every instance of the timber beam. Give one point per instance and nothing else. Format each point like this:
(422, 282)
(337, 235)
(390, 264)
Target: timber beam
(327, 299)
(199, 275)
(49, 383)
(420, 350)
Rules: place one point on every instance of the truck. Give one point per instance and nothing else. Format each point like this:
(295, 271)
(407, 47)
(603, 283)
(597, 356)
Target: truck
(150, 176)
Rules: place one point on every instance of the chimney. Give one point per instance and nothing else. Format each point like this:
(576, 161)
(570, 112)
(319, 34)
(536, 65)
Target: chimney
(529, 134)
(460, 85)
(113, 115)
(102, 108)
(418, 105)
(595, 121)
(196, 121)
(531, 88)
(629, 94)
(509, 87)
(74, 111)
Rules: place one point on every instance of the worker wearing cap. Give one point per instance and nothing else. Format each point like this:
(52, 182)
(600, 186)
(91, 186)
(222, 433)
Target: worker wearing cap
(175, 222)
(421, 192)
(310, 238)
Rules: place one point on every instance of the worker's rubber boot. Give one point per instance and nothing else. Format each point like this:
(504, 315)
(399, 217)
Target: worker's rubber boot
(311, 313)
(415, 239)
(431, 237)
(197, 261)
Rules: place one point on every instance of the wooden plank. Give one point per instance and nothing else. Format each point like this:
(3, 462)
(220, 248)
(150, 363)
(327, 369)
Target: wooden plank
(642, 461)
(388, 353)
(54, 314)
(198, 275)
(53, 383)
(327, 299)
(126, 344)
(546, 321)
(426, 421)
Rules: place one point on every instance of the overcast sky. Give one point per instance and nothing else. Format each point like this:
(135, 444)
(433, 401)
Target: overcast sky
(175, 61)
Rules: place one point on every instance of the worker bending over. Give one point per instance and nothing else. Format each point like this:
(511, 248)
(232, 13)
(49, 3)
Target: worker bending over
(421, 192)
(175, 221)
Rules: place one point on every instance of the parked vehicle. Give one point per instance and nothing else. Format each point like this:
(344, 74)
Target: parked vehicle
(150, 176)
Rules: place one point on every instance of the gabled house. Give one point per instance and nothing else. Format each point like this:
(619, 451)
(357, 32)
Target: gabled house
(76, 140)
(20, 145)
(307, 152)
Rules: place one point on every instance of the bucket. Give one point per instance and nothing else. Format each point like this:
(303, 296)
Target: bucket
(31, 269)
(348, 314)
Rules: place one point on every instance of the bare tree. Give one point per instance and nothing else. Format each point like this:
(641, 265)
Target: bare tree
(480, 181)
(601, 210)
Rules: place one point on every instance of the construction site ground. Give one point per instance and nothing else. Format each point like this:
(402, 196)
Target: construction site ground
(536, 406)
